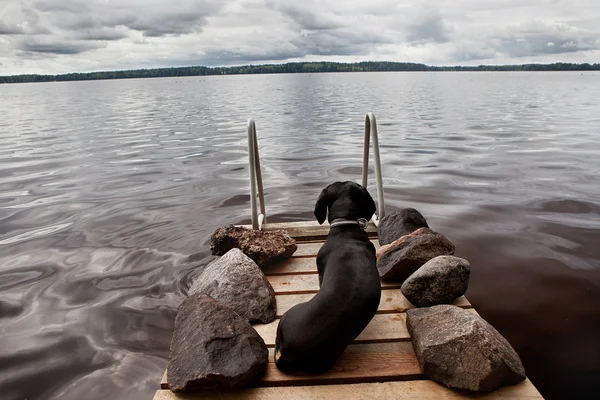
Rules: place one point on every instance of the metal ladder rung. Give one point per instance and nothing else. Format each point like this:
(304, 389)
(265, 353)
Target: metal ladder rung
(371, 130)
(258, 219)
(255, 178)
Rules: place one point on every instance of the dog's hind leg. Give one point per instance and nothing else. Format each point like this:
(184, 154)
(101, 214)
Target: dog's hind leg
(320, 269)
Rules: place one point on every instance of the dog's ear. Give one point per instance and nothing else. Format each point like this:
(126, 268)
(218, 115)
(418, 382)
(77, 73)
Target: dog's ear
(321, 205)
(367, 204)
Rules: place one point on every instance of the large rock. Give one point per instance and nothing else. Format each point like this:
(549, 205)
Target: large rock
(213, 348)
(440, 280)
(237, 281)
(398, 260)
(458, 348)
(399, 223)
(264, 247)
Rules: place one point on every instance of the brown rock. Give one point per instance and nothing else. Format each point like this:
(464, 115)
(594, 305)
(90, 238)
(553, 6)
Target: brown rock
(213, 348)
(399, 223)
(264, 247)
(458, 348)
(237, 281)
(398, 260)
(440, 280)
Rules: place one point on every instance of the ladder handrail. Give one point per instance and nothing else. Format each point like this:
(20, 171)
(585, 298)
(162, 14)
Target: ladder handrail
(255, 178)
(371, 130)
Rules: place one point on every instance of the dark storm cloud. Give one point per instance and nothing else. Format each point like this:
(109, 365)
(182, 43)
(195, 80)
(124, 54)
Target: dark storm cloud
(432, 29)
(307, 17)
(462, 55)
(58, 6)
(324, 45)
(153, 18)
(536, 38)
(74, 23)
(27, 19)
(217, 58)
(6, 29)
(102, 34)
(61, 48)
(174, 23)
(518, 46)
(338, 42)
(321, 32)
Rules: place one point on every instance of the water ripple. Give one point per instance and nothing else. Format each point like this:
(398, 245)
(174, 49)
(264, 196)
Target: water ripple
(108, 187)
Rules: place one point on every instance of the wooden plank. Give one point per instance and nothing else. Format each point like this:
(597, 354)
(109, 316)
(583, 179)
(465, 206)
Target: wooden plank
(352, 368)
(164, 384)
(294, 284)
(308, 230)
(407, 390)
(380, 362)
(293, 266)
(301, 284)
(312, 248)
(389, 347)
(382, 328)
(392, 301)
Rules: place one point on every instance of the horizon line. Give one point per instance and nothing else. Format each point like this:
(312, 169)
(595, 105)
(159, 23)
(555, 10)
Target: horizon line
(306, 67)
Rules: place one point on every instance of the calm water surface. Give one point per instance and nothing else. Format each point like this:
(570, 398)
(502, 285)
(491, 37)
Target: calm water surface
(108, 187)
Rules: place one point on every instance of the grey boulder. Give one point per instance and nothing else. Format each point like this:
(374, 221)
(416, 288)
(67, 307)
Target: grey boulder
(213, 348)
(237, 281)
(399, 259)
(264, 247)
(440, 280)
(399, 223)
(458, 348)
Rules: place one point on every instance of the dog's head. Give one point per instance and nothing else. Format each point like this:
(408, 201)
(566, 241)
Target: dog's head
(347, 200)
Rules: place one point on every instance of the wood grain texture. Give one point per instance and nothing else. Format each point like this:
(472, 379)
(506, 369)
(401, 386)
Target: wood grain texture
(312, 248)
(389, 347)
(307, 283)
(292, 266)
(351, 368)
(379, 362)
(407, 390)
(308, 230)
(382, 328)
(392, 301)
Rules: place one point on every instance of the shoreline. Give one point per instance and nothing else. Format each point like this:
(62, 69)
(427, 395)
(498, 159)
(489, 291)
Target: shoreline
(291, 68)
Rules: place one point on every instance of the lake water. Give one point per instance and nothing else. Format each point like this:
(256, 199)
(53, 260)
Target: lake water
(107, 188)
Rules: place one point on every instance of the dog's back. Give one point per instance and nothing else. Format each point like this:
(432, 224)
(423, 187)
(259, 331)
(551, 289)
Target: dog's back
(311, 336)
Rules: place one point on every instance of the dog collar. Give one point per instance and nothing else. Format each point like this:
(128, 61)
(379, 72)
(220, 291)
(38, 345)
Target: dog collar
(361, 222)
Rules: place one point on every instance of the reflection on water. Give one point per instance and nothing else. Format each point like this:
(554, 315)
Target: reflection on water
(109, 191)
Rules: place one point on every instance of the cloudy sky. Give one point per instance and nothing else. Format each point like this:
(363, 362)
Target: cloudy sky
(59, 36)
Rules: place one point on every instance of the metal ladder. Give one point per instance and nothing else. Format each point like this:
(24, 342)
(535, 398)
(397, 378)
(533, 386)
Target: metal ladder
(259, 219)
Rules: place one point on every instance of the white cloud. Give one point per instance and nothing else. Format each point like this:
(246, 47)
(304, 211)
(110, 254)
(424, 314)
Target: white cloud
(57, 36)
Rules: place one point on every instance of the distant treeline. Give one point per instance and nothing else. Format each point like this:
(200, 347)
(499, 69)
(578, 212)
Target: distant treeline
(305, 67)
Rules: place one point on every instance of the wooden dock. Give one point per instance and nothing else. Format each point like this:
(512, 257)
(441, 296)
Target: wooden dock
(380, 364)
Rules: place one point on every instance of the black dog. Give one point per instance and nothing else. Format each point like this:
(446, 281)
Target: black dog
(311, 336)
